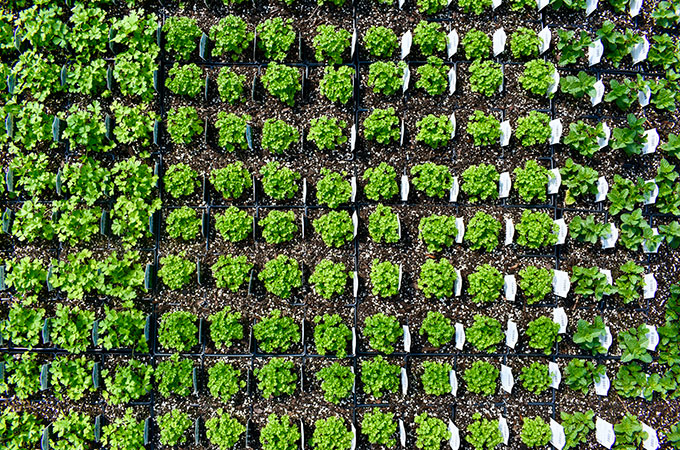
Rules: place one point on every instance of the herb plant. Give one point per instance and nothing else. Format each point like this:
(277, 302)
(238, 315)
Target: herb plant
(180, 180)
(181, 34)
(326, 133)
(438, 329)
(224, 381)
(486, 77)
(524, 43)
(535, 377)
(435, 378)
(542, 334)
(537, 77)
(274, 37)
(223, 430)
(384, 279)
(185, 80)
(231, 271)
(232, 180)
(231, 37)
(278, 226)
(536, 230)
(336, 382)
(128, 383)
(282, 82)
(431, 432)
(332, 190)
(383, 225)
(183, 222)
(174, 376)
(331, 335)
(379, 377)
(480, 182)
(178, 331)
(381, 182)
(577, 426)
(173, 426)
(231, 130)
(176, 271)
(382, 126)
(225, 327)
(434, 131)
(535, 432)
(379, 427)
(183, 124)
(437, 232)
(429, 37)
(433, 179)
(336, 84)
(278, 181)
(532, 181)
(281, 275)
(380, 41)
(485, 130)
(485, 333)
(481, 378)
(329, 279)
(483, 434)
(437, 278)
(536, 283)
(276, 378)
(335, 227)
(230, 85)
(485, 284)
(382, 331)
(477, 44)
(482, 232)
(433, 76)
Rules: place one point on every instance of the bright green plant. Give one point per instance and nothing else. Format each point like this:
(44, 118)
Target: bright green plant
(329, 279)
(536, 377)
(382, 331)
(181, 34)
(274, 37)
(577, 426)
(185, 80)
(336, 382)
(230, 85)
(437, 232)
(124, 433)
(336, 84)
(129, 382)
(533, 129)
(382, 126)
(331, 434)
(588, 336)
(174, 376)
(525, 43)
(178, 331)
(183, 124)
(379, 377)
(278, 136)
(383, 225)
(537, 77)
(71, 378)
(486, 77)
(542, 334)
(532, 181)
(234, 225)
(431, 432)
(438, 329)
(331, 335)
(379, 428)
(225, 327)
(536, 230)
(435, 378)
(276, 333)
(183, 223)
(481, 378)
(478, 8)
(433, 76)
(326, 132)
(71, 328)
(173, 426)
(277, 377)
(224, 381)
(381, 182)
(535, 432)
(434, 131)
(384, 279)
(333, 190)
(230, 36)
(281, 275)
(26, 275)
(74, 431)
(433, 179)
(535, 283)
(176, 270)
(278, 226)
(386, 77)
(579, 375)
(480, 182)
(485, 333)
(231, 181)
(335, 227)
(380, 41)
(231, 272)
(477, 44)
(485, 130)
(483, 434)
(180, 180)
(437, 279)
(231, 130)
(279, 433)
(278, 181)
(482, 232)
(485, 284)
(330, 43)
(223, 430)
(282, 82)
(429, 37)
(23, 326)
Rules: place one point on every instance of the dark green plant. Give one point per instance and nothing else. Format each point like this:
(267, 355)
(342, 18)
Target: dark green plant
(577, 426)
(331, 335)
(588, 336)
(379, 377)
(384, 279)
(579, 375)
(279, 182)
(571, 46)
(578, 86)
(437, 232)
(178, 331)
(429, 37)
(579, 180)
(631, 139)
(335, 227)
(633, 343)
(485, 333)
(481, 378)
(433, 179)
(584, 138)
(587, 230)
(277, 377)
(281, 275)
(630, 283)
(590, 281)
(437, 278)
(382, 332)
(336, 382)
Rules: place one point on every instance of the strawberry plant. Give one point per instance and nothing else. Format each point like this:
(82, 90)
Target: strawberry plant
(533, 129)
(536, 230)
(282, 82)
(437, 278)
(536, 377)
(382, 126)
(383, 225)
(524, 43)
(482, 232)
(223, 430)
(384, 279)
(278, 136)
(379, 427)
(180, 180)
(471, 6)
(181, 34)
(584, 138)
(578, 86)
(178, 331)
(329, 279)
(279, 182)
(537, 76)
(183, 124)
(225, 327)
(477, 44)
(479, 182)
(631, 139)
(335, 227)
(438, 329)
(481, 378)
(185, 80)
(336, 84)
(429, 37)
(571, 46)
(589, 336)
(331, 434)
(123, 328)
(433, 179)
(587, 230)
(278, 226)
(579, 375)
(437, 232)
(590, 281)
(336, 382)
(281, 275)
(174, 376)
(128, 382)
(535, 432)
(330, 43)
(379, 376)
(380, 41)
(631, 282)
(234, 225)
(231, 37)
(231, 272)
(434, 131)
(485, 284)
(279, 433)
(542, 334)
(224, 381)
(433, 76)
(382, 331)
(124, 433)
(485, 130)
(183, 223)
(71, 328)
(276, 378)
(176, 271)
(435, 378)
(231, 129)
(331, 335)
(485, 333)
(483, 434)
(74, 431)
(579, 180)
(231, 181)
(71, 378)
(536, 283)
(386, 77)
(230, 85)
(486, 77)
(276, 333)
(326, 133)
(274, 37)
(173, 426)
(633, 344)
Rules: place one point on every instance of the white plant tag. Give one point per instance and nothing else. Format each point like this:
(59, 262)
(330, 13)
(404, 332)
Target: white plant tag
(506, 132)
(353, 445)
(540, 4)
(555, 131)
(545, 36)
(650, 198)
(639, 51)
(561, 283)
(651, 141)
(654, 249)
(634, 7)
(504, 185)
(652, 337)
(510, 287)
(560, 318)
(404, 382)
(562, 231)
(404, 188)
(398, 226)
(401, 4)
(644, 95)
(407, 339)
(596, 99)
(452, 80)
(652, 441)
(353, 184)
(495, 4)
(554, 181)
(602, 189)
(603, 142)
(503, 428)
(595, 52)
(453, 192)
(511, 334)
(557, 437)
(458, 284)
(302, 434)
(304, 191)
(451, 43)
(406, 41)
(355, 223)
(509, 231)
(353, 137)
(591, 6)
(609, 241)
(606, 340)
(452, 119)
(454, 440)
(507, 380)
(555, 84)
(460, 227)
(355, 283)
(401, 272)
(608, 275)
(354, 43)
(402, 434)
(555, 375)
(453, 382)
(403, 130)
(499, 39)
(460, 336)
(650, 286)
(604, 432)
(405, 79)
(602, 385)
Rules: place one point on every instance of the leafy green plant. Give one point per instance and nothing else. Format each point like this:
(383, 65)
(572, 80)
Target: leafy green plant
(571, 46)
(434, 131)
(71, 378)
(232, 180)
(23, 326)
(590, 281)
(32, 174)
(435, 378)
(336, 382)
(379, 376)
(176, 270)
(666, 14)
(86, 180)
(231, 272)
(438, 329)
(185, 80)
(382, 331)
(524, 43)
(73, 431)
(587, 230)
(579, 180)
(589, 336)
(279, 226)
(483, 434)
(231, 130)
(180, 180)
(124, 433)
(535, 377)
(431, 432)
(382, 126)
(386, 77)
(542, 334)
(178, 331)
(278, 181)
(183, 124)
(225, 327)
(230, 85)
(584, 138)
(616, 44)
(380, 41)
(533, 129)
(279, 433)
(20, 430)
(577, 426)
(477, 44)
(333, 190)
(276, 333)
(336, 84)
(536, 230)
(180, 35)
(276, 378)
(485, 130)
(437, 232)
(383, 225)
(631, 139)
(331, 335)
(630, 283)
(431, 6)
(622, 94)
(479, 182)
(326, 133)
(281, 275)
(274, 37)
(481, 378)
(532, 181)
(25, 275)
(379, 427)
(536, 283)
(335, 227)
(633, 344)
(282, 82)
(24, 375)
(631, 382)
(329, 279)
(71, 328)
(629, 433)
(485, 284)
(128, 382)
(231, 37)
(537, 76)
(429, 37)
(474, 7)
(173, 426)
(183, 223)
(234, 225)
(330, 43)
(31, 222)
(433, 76)
(84, 128)
(174, 376)
(223, 430)
(535, 432)
(384, 279)
(278, 136)
(224, 381)
(433, 179)
(578, 86)
(331, 434)
(482, 232)
(437, 278)
(486, 77)
(381, 184)
(485, 333)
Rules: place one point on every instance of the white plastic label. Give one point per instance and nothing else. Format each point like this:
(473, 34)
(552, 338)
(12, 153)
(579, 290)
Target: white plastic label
(545, 36)
(302, 434)
(644, 95)
(639, 51)
(406, 41)
(561, 283)
(405, 79)
(604, 431)
(507, 380)
(602, 385)
(398, 226)
(354, 341)
(557, 437)
(608, 275)
(452, 119)
(503, 428)
(354, 43)
(402, 433)
(634, 7)
(453, 382)
(555, 375)
(404, 382)
(506, 132)
(562, 232)
(401, 273)
(555, 131)
(458, 284)
(355, 283)
(609, 241)
(454, 440)
(650, 285)
(560, 318)
(404, 188)
(591, 6)
(606, 340)
(401, 4)
(555, 84)
(460, 227)
(540, 4)
(453, 192)
(511, 334)
(602, 189)
(650, 198)
(495, 4)
(554, 181)
(353, 137)
(509, 231)
(353, 445)
(460, 336)
(651, 141)
(595, 52)
(407, 339)
(499, 39)
(355, 223)
(452, 80)
(452, 43)
(596, 98)
(652, 441)
(603, 142)
(504, 185)
(353, 184)
(652, 337)
(510, 287)
(403, 130)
